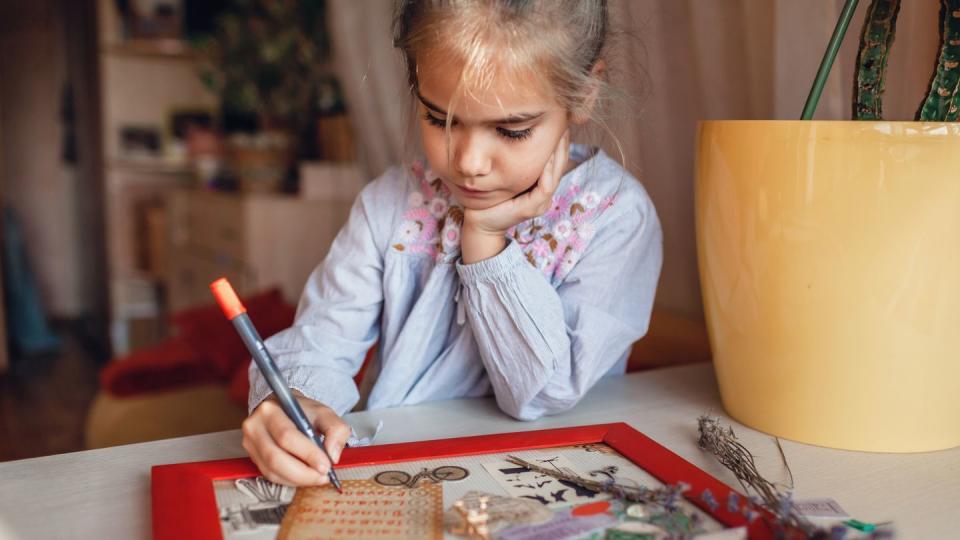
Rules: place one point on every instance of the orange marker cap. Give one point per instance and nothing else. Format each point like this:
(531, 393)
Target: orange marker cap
(227, 298)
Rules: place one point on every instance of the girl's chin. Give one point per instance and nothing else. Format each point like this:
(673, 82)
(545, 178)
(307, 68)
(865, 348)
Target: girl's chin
(479, 204)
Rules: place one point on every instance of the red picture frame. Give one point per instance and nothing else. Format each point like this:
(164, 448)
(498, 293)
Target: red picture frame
(184, 505)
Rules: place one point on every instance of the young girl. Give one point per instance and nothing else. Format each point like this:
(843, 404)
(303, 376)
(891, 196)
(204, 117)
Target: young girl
(511, 262)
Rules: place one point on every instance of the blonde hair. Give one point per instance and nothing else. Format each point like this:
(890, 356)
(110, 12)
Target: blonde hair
(557, 41)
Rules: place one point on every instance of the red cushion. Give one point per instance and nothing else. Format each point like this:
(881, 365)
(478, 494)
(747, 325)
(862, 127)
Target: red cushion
(171, 364)
(206, 349)
(240, 385)
(214, 337)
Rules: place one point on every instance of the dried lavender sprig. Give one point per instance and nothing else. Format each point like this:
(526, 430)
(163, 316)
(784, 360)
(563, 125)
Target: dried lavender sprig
(666, 496)
(723, 444)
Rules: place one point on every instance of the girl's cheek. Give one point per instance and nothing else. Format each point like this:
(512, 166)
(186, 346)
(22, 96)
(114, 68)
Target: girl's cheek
(436, 151)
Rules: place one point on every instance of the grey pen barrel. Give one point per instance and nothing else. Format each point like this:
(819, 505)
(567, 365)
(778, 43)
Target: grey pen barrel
(289, 404)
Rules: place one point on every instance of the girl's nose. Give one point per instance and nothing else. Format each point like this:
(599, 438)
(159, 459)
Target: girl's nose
(470, 157)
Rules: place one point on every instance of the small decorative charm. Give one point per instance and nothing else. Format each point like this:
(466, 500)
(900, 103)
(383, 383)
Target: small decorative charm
(473, 520)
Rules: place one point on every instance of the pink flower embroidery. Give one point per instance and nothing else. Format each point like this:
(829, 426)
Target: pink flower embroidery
(438, 207)
(554, 242)
(416, 199)
(451, 236)
(545, 264)
(563, 229)
(559, 208)
(569, 261)
(426, 227)
(409, 231)
(540, 248)
(590, 199)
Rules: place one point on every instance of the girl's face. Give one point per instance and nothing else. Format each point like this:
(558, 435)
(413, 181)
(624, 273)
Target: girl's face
(501, 136)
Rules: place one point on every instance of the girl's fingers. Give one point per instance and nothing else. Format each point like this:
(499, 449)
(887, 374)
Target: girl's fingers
(288, 437)
(335, 432)
(555, 165)
(560, 159)
(274, 462)
(538, 200)
(548, 177)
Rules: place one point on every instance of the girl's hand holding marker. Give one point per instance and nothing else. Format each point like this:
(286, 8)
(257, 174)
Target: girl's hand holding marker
(286, 456)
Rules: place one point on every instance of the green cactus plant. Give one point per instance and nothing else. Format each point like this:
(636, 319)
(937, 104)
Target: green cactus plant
(876, 39)
(943, 97)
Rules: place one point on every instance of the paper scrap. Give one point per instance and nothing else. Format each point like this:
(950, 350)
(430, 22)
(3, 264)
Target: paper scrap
(820, 508)
(563, 525)
(364, 510)
(354, 441)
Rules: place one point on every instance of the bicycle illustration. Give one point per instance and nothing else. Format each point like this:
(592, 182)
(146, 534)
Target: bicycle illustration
(443, 473)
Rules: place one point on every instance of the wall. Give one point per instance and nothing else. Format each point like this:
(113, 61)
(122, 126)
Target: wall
(41, 190)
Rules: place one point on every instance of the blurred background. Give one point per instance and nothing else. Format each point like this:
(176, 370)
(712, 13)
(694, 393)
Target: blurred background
(148, 147)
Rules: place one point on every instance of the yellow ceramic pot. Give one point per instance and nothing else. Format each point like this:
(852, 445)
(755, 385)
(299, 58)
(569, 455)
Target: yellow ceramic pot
(829, 257)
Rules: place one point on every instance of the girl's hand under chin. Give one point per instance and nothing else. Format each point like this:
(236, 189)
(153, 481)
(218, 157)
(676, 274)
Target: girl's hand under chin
(483, 232)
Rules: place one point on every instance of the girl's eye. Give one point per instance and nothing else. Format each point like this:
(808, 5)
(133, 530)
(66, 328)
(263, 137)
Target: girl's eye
(512, 135)
(434, 121)
(518, 135)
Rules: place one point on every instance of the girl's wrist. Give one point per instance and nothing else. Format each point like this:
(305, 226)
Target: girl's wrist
(478, 245)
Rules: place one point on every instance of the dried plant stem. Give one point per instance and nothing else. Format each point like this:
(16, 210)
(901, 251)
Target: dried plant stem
(723, 444)
(666, 496)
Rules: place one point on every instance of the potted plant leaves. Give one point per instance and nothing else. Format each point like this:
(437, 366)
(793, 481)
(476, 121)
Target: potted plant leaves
(266, 59)
(829, 256)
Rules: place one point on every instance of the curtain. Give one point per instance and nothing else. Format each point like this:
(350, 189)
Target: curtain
(676, 62)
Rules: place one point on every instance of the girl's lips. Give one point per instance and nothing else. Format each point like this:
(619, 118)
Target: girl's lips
(473, 192)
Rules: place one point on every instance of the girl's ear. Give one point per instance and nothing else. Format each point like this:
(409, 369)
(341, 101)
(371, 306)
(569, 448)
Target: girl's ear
(582, 114)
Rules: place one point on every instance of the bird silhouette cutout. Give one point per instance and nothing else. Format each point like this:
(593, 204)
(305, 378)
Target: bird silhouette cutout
(531, 486)
(537, 498)
(579, 490)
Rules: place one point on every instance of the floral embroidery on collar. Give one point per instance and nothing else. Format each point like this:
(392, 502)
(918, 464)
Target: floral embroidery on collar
(431, 224)
(555, 241)
(552, 243)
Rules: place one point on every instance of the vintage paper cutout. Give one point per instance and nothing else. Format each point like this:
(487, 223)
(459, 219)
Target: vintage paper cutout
(443, 473)
(597, 447)
(364, 510)
(254, 504)
(521, 482)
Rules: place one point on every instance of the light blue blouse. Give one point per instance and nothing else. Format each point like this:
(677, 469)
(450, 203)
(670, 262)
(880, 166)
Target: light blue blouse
(538, 324)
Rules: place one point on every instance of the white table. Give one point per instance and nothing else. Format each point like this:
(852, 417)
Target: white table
(105, 493)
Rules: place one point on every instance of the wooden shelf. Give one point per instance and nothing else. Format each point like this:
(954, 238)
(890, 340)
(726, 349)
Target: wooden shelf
(156, 48)
(149, 165)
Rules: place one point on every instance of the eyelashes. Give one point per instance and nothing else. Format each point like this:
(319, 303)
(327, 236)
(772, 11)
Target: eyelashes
(509, 134)
(518, 135)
